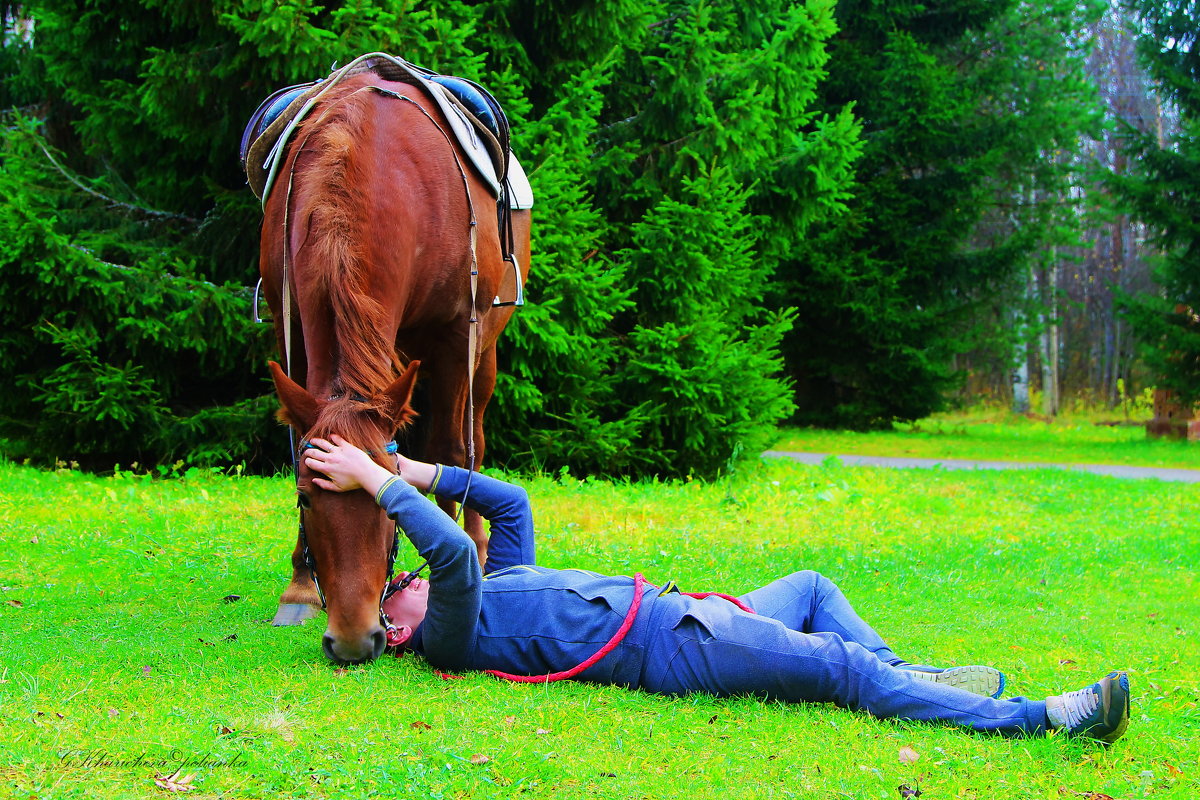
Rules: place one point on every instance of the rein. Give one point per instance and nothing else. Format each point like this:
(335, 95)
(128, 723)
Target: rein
(639, 584)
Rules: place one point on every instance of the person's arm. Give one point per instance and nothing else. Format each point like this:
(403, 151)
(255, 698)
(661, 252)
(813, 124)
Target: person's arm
(505, 507)
(455, 585)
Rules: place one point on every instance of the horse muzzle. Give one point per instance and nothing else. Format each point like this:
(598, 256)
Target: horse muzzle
(355, 649)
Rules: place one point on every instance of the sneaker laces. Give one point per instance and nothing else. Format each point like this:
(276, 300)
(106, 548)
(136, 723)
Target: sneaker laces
(1072, 708)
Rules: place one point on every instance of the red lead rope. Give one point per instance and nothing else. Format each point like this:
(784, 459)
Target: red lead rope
(639, 583)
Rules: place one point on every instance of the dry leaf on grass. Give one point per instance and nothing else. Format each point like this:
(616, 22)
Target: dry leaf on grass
(174, 782)
(479, 758)
(420, 726)
(15, 603)
(906, 791)
(908, 755)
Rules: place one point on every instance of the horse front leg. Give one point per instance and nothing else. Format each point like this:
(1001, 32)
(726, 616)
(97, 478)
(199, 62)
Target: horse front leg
(299, 601)
(483, 388)
(446, 442)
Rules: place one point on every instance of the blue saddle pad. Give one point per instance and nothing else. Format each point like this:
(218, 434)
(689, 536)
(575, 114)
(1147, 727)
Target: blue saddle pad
(478, 102)
(268, 111)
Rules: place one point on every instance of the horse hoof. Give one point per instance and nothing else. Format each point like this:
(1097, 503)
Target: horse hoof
(294, 614)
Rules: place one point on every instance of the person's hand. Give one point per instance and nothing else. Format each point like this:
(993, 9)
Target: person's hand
(344, 466)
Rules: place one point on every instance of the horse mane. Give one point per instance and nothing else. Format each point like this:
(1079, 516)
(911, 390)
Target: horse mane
(336, 178)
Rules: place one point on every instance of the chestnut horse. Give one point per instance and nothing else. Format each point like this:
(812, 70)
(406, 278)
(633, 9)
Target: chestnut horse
(370, 224)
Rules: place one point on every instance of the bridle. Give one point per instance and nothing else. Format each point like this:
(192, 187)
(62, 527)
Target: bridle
(310, 560)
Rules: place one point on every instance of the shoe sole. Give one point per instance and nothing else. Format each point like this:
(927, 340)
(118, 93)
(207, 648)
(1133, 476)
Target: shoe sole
(1115, 687)
(985, 681)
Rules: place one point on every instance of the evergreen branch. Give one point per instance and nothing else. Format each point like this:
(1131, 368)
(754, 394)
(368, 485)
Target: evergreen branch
(242, 291)
(150, 212)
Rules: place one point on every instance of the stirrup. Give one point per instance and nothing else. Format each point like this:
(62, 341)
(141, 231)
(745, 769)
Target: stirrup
(519, 300)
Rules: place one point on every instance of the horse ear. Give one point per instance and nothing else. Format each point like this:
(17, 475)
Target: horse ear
(300, 408)
(400, 393)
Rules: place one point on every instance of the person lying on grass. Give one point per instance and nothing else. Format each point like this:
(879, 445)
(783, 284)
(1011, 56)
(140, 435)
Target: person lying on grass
(797, 639)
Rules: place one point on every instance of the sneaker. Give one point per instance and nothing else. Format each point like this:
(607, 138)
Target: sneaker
(986, 681)
(1101, 711)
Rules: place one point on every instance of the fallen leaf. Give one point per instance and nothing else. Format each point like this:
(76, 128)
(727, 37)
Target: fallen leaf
(146, 670)
(112, 712)
(908, 755)
(230, 638)
(542, 731)
(510, 720)
(905, 791)
(231, 598)
(1063, 662)
(479, 758)
(712, 719)
(224, 730)
(174, 782)
(1173, 771)
(34, 540)
(608, 774)
(340, 671)
(420, 726)
(15, 603)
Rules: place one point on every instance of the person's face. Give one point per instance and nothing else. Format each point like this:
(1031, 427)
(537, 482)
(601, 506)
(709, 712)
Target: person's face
(406, 608)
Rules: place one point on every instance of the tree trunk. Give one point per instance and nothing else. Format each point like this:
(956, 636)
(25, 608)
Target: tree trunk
(1049, 338)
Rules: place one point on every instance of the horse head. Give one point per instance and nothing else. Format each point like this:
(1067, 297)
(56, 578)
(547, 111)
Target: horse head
(349, 539)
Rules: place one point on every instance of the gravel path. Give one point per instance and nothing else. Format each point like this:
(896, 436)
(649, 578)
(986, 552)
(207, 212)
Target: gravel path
(1183, 475)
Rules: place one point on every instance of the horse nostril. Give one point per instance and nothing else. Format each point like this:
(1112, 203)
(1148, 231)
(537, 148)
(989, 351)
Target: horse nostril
(367, 648)
(378, 642)
(327, 645)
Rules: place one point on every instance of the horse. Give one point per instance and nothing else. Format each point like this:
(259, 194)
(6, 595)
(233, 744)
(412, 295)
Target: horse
(369, 244)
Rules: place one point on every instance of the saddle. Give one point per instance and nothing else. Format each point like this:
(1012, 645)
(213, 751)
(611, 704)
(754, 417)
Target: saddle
(473, 115)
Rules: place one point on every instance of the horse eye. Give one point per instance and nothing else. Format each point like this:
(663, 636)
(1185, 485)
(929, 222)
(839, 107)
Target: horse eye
(303, 500)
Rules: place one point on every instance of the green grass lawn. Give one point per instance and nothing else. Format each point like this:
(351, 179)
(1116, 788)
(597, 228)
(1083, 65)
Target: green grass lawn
(120, 659)
(1000, 436)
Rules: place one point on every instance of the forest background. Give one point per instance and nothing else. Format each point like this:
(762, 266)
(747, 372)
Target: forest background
(843, 214)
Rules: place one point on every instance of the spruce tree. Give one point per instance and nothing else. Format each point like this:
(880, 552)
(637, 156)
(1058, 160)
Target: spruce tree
(1163, 193)
(673, 151)
(962, 104)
